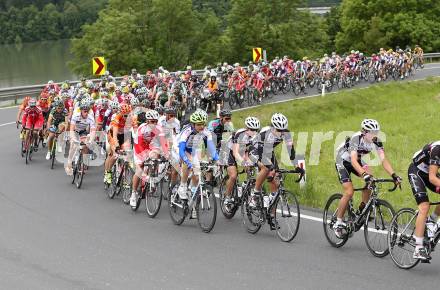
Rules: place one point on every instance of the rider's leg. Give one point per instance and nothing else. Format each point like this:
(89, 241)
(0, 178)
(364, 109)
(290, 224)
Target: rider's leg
(232, 173)
(348, 189)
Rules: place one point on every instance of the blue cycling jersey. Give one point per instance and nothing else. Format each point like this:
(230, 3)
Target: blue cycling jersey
(190, 138)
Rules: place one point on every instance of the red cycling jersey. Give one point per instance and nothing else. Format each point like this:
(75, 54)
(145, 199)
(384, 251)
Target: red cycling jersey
(32, 116)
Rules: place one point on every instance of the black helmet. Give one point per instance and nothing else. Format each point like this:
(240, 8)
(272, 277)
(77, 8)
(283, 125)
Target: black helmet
(225, 113)
(159, 109)
(141, 118)
(170, 110)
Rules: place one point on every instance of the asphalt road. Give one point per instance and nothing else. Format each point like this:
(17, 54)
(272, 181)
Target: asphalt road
(53, 236)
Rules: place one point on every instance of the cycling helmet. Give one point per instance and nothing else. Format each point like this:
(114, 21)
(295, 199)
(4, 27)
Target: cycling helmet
(370, 125)
(198, 117)
(65, 95)
(252, 123)
(170, 110)
(59, 104)
(114, 105)
(125, 109)
(225, 113)
(89, 84)
(104, 94)
(152, 115)
(159, 109)
(279, 121)
(126, 90)
(32, 102)
(57, 99)
(84, 105)
(134, 101)
(146, 103)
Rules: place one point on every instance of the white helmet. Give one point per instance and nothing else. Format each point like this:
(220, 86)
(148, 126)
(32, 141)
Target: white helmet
(370, 125)
(188, 67)
(134, 101)
(252, 123)
(279, 121)
(114, 105)
(203, 113)
(152, 115)
(213, 73)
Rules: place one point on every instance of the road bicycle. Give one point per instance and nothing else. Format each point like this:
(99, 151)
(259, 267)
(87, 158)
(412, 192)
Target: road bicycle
(202, 201)
(375, 218)
(28, 143)
(401, 240)
(79, 164)
(122, 175)
(282, 213)
(231, 208)
(153, 183)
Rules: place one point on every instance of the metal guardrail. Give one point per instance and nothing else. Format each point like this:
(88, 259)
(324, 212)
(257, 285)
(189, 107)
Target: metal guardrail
(17, 93)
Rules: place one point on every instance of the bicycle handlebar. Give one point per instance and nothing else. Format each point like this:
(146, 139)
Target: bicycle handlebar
(381, 180)
(298, 170)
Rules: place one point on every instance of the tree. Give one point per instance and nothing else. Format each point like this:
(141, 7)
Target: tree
(369, 24)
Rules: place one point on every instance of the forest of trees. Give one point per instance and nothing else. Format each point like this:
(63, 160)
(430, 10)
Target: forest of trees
(148, 33)
(173, 33)
(34, 20)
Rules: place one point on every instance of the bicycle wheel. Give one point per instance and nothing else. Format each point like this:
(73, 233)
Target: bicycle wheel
(206, 207)
(177, 207)
(401, 242)
(228, 211)
(53, 154)
(287, 216)
(329, 219)
(113, 187)
(80, 171)
(377, 226)
(125, 185)
(251, 216)
(153, 198)
(28, 154)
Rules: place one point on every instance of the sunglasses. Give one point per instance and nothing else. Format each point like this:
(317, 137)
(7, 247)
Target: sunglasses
(153, 121)
(227, 118)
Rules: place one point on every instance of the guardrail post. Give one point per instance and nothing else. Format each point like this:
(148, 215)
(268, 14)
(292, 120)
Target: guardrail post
(16, 100)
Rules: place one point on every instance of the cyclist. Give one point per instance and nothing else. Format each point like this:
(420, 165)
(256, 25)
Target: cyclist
(422, 174)
(349, 160)
(221, 125)
(239, 153)
(33, 117)
(57, 120)
(263, 153)
(150, 143)
(83, 126)
(119, 138)
(191, 137)
(418, 51)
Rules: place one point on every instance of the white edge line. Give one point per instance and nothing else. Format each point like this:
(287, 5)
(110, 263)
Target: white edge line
(5, 124)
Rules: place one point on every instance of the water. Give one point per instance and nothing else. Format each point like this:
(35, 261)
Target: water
(34, 63)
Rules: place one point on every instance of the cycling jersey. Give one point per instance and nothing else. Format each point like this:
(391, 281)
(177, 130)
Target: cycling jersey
(58, 117)
(149, 137)
(189, 139)
(429, 155)
(264, 143)
(217, 128)
(118, 122)
(32, 116)
(418, 171)
(357, 143)
(83, 125)
(171, 126)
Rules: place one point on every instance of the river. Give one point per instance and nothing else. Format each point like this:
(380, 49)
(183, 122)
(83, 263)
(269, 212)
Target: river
(34, 63)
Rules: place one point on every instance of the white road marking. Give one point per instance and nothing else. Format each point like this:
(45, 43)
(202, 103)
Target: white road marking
(5, 124)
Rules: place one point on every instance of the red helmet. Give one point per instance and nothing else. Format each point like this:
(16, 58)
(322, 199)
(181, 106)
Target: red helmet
(125, 109)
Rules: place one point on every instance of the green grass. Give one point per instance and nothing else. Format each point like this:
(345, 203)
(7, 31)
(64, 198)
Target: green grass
(409, 114)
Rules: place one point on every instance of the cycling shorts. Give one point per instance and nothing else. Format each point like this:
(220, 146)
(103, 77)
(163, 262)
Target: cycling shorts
(345, 169)
(419, 181)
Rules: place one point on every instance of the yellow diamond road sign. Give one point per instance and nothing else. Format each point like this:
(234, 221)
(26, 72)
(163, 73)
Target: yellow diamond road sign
(99, 66)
